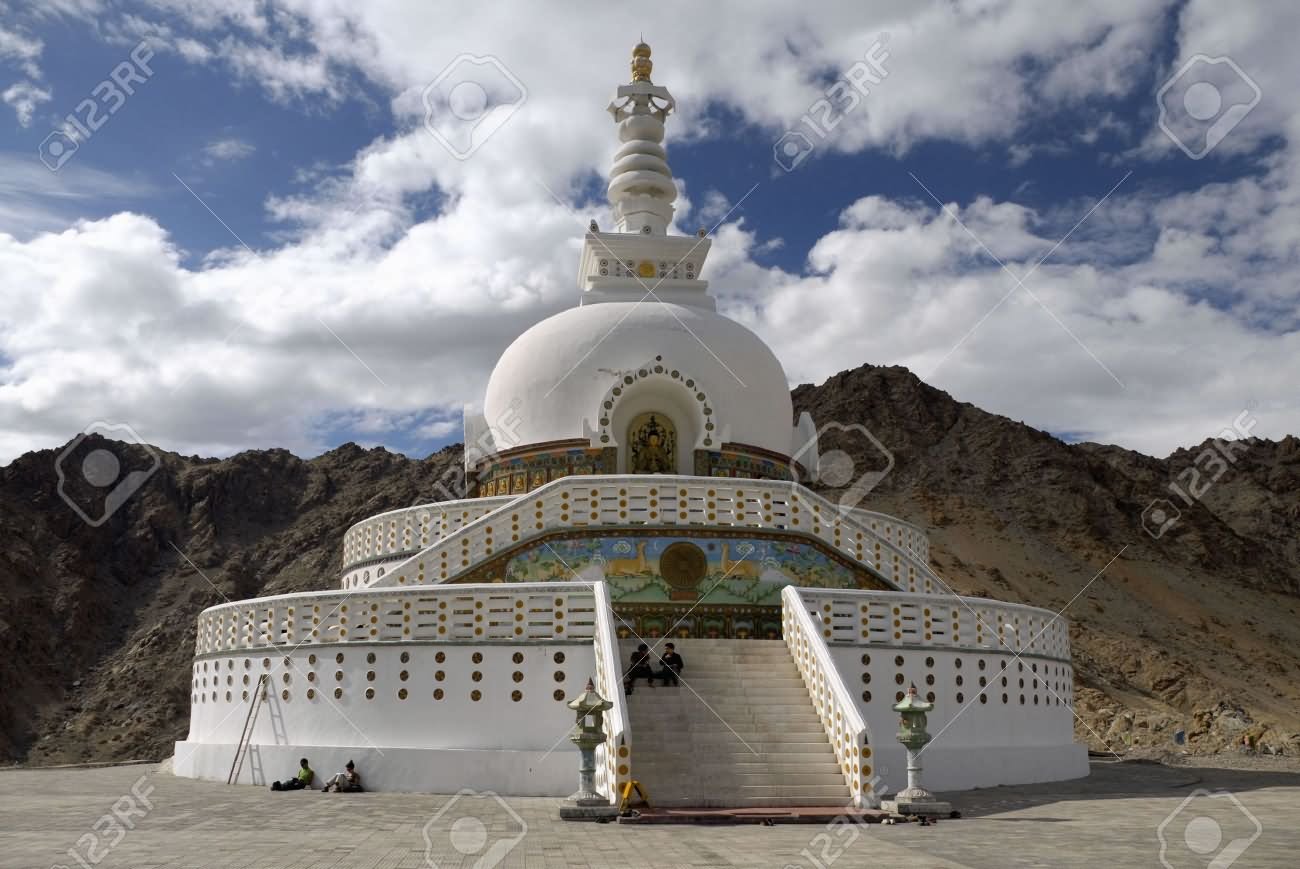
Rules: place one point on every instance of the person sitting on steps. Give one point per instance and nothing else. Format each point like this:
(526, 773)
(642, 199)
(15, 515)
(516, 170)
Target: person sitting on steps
(302, 780)
(640, 669)
(673, 665)
(344, 782)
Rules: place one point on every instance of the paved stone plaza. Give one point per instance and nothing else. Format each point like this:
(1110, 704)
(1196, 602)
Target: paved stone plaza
(1110, 819)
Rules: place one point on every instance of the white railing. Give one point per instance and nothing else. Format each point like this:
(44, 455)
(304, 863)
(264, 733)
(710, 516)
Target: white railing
(388, 538)
(400, 533)
(622, 501)
(845, 727)
(892, 528)
(865, 618)
(487, 613)
(614, 758)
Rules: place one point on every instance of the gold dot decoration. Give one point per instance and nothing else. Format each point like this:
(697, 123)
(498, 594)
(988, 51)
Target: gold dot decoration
(476, 695)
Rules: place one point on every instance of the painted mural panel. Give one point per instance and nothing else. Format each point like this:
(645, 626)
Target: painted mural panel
(516, 475)
(662, 568)
(743, 465)
(663, 584)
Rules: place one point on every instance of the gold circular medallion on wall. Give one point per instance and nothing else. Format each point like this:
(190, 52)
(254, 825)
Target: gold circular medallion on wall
(683, 565)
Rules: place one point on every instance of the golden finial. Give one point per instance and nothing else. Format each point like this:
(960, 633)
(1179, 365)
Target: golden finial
(641, 63)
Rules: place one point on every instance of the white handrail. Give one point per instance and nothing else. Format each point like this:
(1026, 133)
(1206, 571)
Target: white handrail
(861, 617)
(588, 502)
(395, 535)
(614, 758)
(487, 612)
(845, 727)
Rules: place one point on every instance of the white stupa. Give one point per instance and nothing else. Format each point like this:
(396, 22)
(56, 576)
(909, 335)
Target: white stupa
(633, 478)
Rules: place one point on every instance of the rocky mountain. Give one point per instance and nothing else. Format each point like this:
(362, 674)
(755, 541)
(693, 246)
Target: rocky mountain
(1190, 627)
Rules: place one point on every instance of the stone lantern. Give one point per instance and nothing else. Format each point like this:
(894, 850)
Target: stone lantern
(588, 733)
(914, 799)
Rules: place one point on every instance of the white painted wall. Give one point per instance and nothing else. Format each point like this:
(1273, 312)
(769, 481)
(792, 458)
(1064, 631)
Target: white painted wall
(975, 744)
(533, 773)
(495, 721)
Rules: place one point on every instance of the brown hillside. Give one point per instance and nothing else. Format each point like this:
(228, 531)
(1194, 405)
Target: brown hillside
(1196, 630)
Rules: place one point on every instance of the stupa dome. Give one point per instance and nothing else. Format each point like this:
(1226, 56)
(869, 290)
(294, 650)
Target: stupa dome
(714, 380)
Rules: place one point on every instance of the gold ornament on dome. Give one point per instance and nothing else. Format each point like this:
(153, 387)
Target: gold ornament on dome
(652, 442)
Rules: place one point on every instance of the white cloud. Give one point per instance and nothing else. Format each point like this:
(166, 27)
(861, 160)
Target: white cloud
(23, 98)
(34, 199)
(19, 48)
(1189, 299)
(229, 149)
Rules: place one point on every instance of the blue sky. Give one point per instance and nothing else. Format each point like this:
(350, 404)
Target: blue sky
(384, 277)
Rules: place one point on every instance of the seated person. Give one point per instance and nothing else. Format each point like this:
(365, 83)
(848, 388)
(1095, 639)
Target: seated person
(640, 669)
(673, 665)
(344, 782)
(298, 782)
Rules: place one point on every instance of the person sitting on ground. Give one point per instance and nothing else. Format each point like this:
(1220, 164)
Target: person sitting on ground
(344, 782)
(640, 669)
(302, 780)
(673, 665)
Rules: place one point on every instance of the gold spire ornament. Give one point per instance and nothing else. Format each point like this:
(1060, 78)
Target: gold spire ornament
(641, 63)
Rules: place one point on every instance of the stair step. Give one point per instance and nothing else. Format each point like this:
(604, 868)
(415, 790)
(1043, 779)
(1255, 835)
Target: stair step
(744, 782)
(827, 772)
(748, 748)
(777, 771)
(671, 698)
(654, 698)
(714, 802)
(672, 722)
(744, 793)
(715, 711)
(677, 724)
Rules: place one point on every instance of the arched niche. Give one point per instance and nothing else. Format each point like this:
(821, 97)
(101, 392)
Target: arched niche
(676, 398)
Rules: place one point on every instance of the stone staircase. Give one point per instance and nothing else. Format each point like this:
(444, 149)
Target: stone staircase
(765, 746)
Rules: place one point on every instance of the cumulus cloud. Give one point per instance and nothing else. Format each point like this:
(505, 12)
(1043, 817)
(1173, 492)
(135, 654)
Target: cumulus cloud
(1153, 326)
(229, 149)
